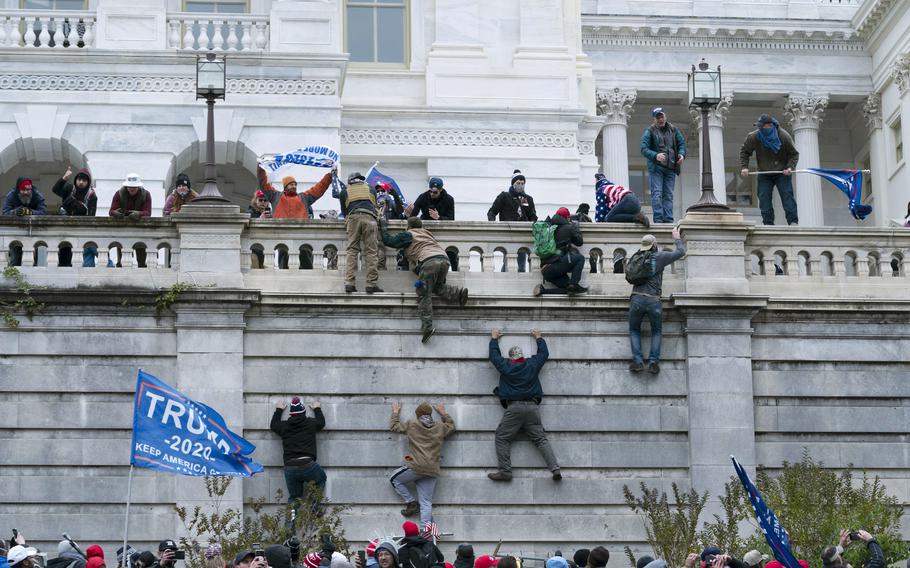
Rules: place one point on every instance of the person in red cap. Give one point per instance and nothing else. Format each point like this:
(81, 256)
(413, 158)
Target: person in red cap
(564, 268)
(486, 561)
(388, 206)
(24, 200)
(298, 440)
(416, 551)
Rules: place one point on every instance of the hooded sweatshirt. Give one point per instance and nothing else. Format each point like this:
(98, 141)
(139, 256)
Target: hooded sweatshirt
(298, 433)
(67, 557)
(390, 547)
(77, 202)
(424, 444)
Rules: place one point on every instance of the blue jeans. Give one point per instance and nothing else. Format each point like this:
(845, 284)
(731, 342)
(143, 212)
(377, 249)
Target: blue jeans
(624, 211)
(662, 181)
(558, 273)
(766, 183)
(298, 478)
(88, 257)
(639, 307)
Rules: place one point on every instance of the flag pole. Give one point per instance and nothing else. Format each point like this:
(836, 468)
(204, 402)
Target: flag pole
(774, 172)
(126, 521)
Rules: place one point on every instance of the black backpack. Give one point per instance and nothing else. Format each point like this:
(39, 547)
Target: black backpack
(423, 556)
(641, 267)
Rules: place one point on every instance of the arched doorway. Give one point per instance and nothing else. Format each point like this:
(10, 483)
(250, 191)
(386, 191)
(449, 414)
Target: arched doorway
(43, 161)
(236, 172)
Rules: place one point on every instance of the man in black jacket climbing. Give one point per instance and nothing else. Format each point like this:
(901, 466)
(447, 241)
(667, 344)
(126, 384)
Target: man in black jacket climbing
(298, 439)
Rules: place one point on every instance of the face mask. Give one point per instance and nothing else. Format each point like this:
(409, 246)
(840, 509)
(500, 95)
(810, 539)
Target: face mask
(426, 420)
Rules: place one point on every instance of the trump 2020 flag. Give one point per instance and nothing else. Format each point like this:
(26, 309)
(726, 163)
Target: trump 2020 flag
(851, 183)
(316, 156)
(174, 433)
(775, 534)
(374, 176)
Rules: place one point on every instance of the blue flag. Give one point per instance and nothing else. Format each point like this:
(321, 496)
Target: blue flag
(316, 156)
(774, 533)
(174, 433)
(374, 176)
(851, 183)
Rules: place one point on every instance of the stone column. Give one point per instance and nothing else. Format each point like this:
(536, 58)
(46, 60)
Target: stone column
(805, 115)
(900, 195)
(716, 118)
(717, 309)
(615, 106)
(872, 111)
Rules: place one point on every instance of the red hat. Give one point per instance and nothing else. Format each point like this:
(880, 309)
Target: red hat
(95, 562)
(312, 560)
(25, 185)
(383, 185)
(448, 565)
(94, 550)
(774, 564)
(563, 212)
(486, 562)
(410, 529)
(371, 547)
(260, 193)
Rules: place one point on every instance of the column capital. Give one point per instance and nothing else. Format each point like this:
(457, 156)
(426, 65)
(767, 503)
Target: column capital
(615, 105)
(900, 73)
(717, 115)
(805, 111)
(872, 111)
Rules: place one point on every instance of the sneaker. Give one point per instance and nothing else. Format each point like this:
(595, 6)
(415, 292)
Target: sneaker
(538, 290)
(636, 367)
(349, 288)
(556, 475)
(463, 297)
(575, 289)
(374, 289)
(641, 219)
(411, 509)
(500, 476)
(427, 334)
(653, 368)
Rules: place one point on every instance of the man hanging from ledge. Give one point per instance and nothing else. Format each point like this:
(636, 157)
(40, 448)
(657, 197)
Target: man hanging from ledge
(431, 264)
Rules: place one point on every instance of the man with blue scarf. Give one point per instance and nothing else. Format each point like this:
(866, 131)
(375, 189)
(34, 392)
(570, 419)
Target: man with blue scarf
(774, 151)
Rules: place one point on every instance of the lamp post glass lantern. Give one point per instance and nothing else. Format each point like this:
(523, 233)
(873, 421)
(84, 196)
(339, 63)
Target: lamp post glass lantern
(210, 85)
(704, 93)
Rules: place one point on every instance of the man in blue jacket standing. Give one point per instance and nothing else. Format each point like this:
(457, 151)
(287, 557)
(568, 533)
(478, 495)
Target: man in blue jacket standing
(664, 146)
(520, 393)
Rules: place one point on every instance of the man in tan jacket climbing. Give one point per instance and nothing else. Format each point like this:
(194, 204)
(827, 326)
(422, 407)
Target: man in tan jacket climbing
(425, 437)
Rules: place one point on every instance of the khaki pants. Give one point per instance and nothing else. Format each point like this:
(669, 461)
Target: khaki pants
(362, 237)
(433, 273)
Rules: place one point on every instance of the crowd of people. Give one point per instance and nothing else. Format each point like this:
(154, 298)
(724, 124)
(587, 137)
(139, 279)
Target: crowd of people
(417, 548)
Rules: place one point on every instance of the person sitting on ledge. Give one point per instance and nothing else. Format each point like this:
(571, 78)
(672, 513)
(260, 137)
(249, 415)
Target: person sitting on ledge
(132, 200)
(181, 195)
(558, 267)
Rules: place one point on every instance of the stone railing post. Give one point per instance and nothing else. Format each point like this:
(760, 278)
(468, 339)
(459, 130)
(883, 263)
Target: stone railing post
(210, 245)
(717, 310)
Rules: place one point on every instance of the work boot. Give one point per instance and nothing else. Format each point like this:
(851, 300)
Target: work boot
(349, 288)
(538, 290)
(576, 289)
(463, 297)
(500, 476)
(374, 289)
(636, 367)
(427, 334)
(653, 367)
(411, 509)
(556, 475)
(641, 219)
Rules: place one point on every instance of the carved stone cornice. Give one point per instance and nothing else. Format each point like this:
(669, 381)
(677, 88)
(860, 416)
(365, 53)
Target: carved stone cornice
(704, 38)
(872, 111)
(615, 105)
(900, 73)
(171, 84)
(441, 137)
(805, 111)
(717, 115)
(870, 15)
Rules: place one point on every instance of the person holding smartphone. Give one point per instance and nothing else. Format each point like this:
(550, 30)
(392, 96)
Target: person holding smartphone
(169, 553)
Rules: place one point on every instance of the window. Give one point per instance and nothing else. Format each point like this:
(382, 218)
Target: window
(740, 191)
(376, 31)
(898, 141)
(216, 6)
(54, 4)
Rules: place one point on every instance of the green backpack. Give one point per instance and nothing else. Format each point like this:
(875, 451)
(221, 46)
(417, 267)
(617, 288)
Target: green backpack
(544, 239)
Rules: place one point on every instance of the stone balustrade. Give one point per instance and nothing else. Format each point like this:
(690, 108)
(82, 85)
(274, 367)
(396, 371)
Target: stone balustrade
(778, 262)
(46, 29)
(193, 31)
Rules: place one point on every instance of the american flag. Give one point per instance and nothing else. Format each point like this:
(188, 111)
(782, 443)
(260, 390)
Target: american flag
(430, 530)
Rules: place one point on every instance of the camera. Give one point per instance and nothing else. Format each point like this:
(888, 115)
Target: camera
(257, 550)
(709, 560)
(854, 535)
(179, 555)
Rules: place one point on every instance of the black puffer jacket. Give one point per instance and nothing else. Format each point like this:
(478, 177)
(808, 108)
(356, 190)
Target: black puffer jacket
(509, 208)
(298, 433)
(567, 235)
(77, 202)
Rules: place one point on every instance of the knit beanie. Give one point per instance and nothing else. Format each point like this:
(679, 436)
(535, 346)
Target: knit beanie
(287, 180)
(563, 212)
(598, 557)
(183, 179)
(25, 185)
(516, 176)
(581, 557)
(643, 561)
(95, 562)
(711, 550)
(410, 528)
(94, 550)
(423, 409)
(296, 406)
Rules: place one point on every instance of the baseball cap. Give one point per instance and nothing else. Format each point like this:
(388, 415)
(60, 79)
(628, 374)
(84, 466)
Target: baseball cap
(241, 556)
(19, 553)
(657, 110)
(647, 242)
(167, 545)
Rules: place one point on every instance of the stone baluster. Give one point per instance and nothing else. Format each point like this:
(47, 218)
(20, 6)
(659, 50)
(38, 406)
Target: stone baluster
(217, 36)
(464, 259)
(840, 270)
(30, 32)
(44, 38)
(126, 257)
(52, 256)
(318, 258)
(487, 261)
(55, 31)
(805, 113)
(861, 266)
(246, 42)
(204, 35)
(768, 265)
(15, 37)
(232, 35)
(173, 38)
(293, 256)
(792, 263)
(72, 32)
(815, 267)
(189, 42)
(261, 36)
(268, 258)
(4, 24)
(615, 106)
(28, 253)
(88, 38)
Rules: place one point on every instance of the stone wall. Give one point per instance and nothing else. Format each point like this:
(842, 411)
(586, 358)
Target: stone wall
(755, 364)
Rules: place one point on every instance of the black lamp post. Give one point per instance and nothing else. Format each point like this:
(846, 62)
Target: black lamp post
(704, 92)
(210, 85)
